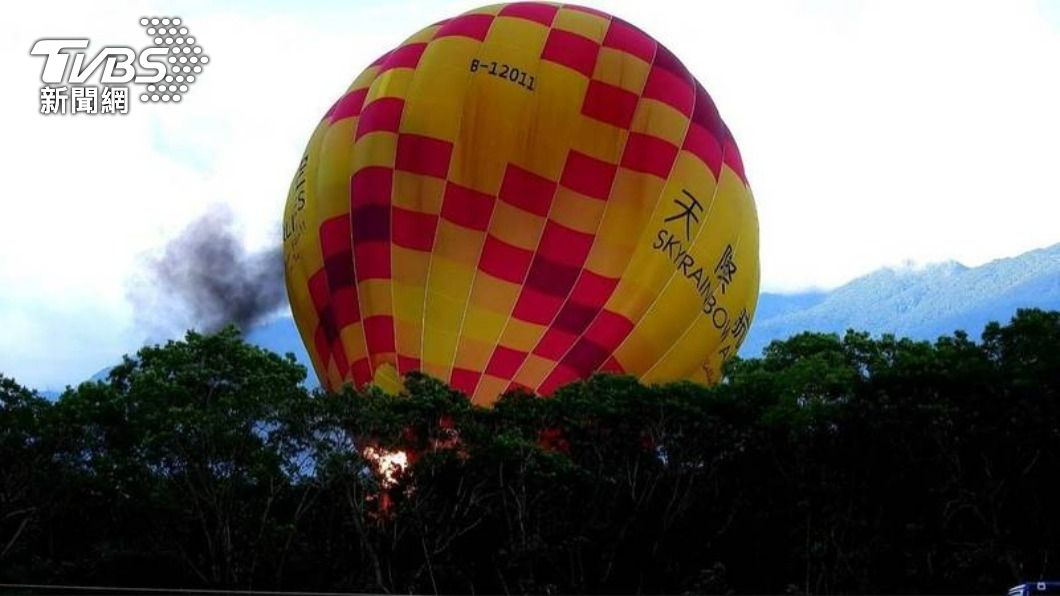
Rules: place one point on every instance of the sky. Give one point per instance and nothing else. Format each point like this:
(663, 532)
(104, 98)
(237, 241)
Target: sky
(873, 133)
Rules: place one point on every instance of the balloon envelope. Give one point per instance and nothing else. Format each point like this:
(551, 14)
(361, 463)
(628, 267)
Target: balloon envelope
(522, 195)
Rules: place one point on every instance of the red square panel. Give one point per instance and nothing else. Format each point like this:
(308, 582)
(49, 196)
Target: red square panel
(319, 291)
(586, 356)
(407, 363)
(669, 88)
(379, 334)
(575, 317)
(370, 223)
(666, 60)
(464, 380)
(423, 155)
(533, 11)
(627, 38)
(648, 154)
(348, 105)
(610, 104)
(560, 376)
(321, 344)
(372, 184)
(335, 235)
(372, 260)
(340, 271)
(609, 329)
(554, 343)
(564, 245)
(403, 57)
(504, 362)
(706, 114)
(536, 307)
(526, 190)
(571, 50)
(466, 207)
(733, 159)
(504, 261)
(593, 288)
(551, 277)
(475, 26)
(702, 144)
(412, 229)
(588, 175)
(361, 372)
(346, 307)
(383, 114)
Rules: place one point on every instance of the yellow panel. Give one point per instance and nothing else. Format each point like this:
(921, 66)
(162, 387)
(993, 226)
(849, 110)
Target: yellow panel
(483, 325)
(680, 299)
(332, 184)
(521, 35)
(490, 9)
(407, 336)
(520, 335)
(599, 139)
(650, 266)
(489, 390)
(660, 120)
(631, 298)
(375, 298)
(450, 279)
(633, 199)
(534, 370)
(408, 301)
(552, 120)
(374, 149)
(364, 79)
(409, 266)
(494, 294)
(458, 244)
(352, 338)
(608, 258)
(580, 22)
(434, 368)
(472, 354)
(422, 36)
(621, 69)
(392, 83)
(435, 104)
(576, 211)
(418, 193)
(696, 353)
(515, 226)
(487, 141)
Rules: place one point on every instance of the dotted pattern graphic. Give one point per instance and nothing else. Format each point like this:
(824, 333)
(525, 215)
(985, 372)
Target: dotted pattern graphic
(498, 232)
(185, 59)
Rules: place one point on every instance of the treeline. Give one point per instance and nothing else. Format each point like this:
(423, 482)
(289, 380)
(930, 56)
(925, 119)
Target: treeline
(829, 465)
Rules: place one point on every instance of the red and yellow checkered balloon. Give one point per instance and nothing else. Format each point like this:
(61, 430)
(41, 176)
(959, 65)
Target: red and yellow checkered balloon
(521, 196)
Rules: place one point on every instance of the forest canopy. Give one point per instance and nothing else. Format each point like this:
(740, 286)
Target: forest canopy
(830, 464)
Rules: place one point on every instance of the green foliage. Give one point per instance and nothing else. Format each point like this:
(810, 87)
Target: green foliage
(830, 465)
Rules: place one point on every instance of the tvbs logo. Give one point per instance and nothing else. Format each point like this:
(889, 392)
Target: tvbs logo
(163, 71)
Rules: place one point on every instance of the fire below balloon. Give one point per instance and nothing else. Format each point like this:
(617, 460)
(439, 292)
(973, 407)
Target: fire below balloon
(388, 464)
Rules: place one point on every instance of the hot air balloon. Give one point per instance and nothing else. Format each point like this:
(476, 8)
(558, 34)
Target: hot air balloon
(521, 196)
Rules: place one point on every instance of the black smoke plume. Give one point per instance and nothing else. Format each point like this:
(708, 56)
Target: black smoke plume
(205, 278)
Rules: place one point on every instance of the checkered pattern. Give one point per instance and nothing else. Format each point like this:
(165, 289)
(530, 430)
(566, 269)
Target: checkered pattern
(495, 236)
